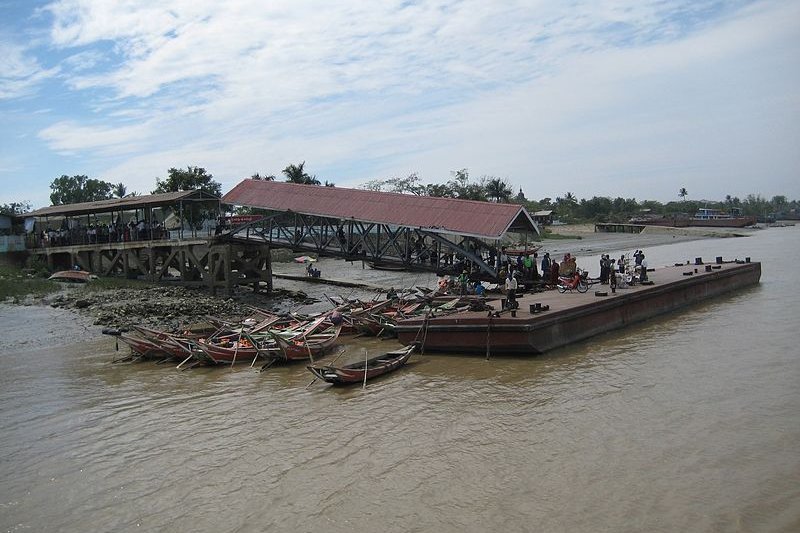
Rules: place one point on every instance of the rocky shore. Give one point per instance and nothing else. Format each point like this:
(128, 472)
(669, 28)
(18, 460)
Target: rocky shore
(164, 307)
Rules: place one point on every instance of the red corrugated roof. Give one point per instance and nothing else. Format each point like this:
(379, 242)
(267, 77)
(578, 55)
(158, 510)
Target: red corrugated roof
(440, 215)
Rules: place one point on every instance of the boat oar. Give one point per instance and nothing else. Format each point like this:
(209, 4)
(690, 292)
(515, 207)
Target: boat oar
(183, 362)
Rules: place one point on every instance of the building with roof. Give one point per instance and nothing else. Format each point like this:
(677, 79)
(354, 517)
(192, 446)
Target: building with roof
(484, 220)
(385, 229)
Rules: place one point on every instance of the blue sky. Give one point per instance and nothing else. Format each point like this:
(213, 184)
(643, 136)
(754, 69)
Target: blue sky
(609, 98)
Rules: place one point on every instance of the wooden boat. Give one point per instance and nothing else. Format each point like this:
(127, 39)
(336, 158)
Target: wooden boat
(307, 346)
(261, 342)
(171, 346)
(141, 346)
(355, 372)
(715, 218)
(232, 348)
(73, 276)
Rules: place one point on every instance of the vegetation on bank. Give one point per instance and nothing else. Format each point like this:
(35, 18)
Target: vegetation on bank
(567, 208)
(17, 283)
(31, 281)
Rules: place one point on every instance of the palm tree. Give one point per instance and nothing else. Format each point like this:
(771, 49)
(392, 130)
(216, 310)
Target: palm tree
(119, 190)
(297, 174)
(266, 177)
(498, 190)
(683, 193)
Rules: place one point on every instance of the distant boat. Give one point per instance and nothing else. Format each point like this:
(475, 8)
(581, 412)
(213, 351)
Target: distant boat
(73, 276)
(705, 217)
(717, 219)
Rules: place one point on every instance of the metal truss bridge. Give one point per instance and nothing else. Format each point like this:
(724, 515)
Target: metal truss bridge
(382, 245)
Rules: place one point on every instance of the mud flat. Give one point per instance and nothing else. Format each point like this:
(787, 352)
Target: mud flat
(586, 241)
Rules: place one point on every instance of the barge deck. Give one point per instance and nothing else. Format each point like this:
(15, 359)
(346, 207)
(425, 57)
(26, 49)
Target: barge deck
(572, 317)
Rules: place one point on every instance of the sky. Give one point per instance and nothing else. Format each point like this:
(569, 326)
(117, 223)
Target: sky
(617, 98)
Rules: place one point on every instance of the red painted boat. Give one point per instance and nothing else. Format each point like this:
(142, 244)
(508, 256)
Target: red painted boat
(263, 343)
(73, 276)
(371, 368)
(308, 346)
(232, 349)
(142, 346)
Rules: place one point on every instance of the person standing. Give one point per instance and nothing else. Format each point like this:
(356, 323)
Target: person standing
(546, 267)
(463, 280)
(480, 290)
(511, 291)
(643, 267)
(603, 269)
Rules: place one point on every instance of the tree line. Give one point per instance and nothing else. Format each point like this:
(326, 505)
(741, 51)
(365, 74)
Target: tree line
(567, 208)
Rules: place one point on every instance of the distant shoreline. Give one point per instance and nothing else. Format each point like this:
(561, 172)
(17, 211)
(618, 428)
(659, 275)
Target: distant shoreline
(589, 242)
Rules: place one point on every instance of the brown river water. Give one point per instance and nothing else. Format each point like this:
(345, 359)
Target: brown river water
(689, 422)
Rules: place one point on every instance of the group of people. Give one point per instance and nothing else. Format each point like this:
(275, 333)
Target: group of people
(312, 272)
(72, 232)
(607, 268)
(609, 272)
(514, 272)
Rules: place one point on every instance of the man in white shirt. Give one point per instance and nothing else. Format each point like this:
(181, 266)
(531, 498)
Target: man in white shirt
(511, 290)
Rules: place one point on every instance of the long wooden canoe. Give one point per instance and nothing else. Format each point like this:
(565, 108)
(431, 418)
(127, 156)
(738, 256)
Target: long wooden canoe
(354, 372)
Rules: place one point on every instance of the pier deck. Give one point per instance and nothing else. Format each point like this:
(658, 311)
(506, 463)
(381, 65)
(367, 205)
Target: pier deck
(572, 316)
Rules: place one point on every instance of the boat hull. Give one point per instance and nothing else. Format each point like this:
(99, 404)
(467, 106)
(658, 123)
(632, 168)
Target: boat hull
(357, 373)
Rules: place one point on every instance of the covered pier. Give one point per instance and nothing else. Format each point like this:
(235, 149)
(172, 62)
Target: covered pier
(160, 238)
(387, 230)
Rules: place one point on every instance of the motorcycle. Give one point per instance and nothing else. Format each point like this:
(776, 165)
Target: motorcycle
(575, 282)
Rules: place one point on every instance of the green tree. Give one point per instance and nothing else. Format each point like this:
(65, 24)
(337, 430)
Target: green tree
(119, 190)
(188, 180)
(465, 189)
(565, 207)
(439, 190)
(779, 203)
(266, 177)
(77, 189)
(498, 190)
(683, 193)
(297, 174)
(410, 185)
(15, 208)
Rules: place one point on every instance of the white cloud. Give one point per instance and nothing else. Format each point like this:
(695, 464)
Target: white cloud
(19, 72)
(598, 98)
(69, 137)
